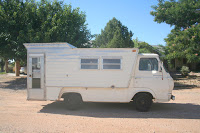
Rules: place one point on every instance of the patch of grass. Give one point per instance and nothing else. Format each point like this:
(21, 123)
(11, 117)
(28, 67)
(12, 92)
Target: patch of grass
(2, 72)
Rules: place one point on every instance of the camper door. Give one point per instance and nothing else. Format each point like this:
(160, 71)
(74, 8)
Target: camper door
(35, 77)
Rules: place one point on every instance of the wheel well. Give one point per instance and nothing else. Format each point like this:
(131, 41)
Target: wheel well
(145, 93)
(69, 93)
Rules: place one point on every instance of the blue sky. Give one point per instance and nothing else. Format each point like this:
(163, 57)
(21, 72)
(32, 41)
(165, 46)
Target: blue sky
(135, 14)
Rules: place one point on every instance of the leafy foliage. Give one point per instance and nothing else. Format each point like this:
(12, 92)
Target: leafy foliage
(185, 70)
(184, 44)
(114, 35)
(181, 13)
(46, 21)
(61, 23)
(145, 47)
(5, 44)
(184, 39)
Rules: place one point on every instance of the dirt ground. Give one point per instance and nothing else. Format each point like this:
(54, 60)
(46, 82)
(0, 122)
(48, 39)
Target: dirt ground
(19, 115)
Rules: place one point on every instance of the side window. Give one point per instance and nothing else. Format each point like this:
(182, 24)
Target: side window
(148, 64)
(89, 63)
(111, 63)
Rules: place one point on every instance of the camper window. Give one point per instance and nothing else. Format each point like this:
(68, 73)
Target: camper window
(148, 64)
(35, 63)
(111, 63)
(89, 63)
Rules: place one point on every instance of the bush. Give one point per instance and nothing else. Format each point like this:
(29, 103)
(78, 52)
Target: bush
(178, 68)
(185, 70)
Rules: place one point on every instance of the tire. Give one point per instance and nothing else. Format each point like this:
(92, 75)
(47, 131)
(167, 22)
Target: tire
(143, 102)
(73, 101)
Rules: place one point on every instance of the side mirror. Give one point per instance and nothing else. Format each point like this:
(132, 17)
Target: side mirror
(160, 66)
(160, 70)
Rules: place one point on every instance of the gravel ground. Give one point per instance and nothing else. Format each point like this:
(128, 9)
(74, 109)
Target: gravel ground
(19, 115)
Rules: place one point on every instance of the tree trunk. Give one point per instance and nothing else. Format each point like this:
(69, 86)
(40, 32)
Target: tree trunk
(6, 66)
(17, 68)
(2, 66)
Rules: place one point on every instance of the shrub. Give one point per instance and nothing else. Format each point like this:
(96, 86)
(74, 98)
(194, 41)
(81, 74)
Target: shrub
(185, 70)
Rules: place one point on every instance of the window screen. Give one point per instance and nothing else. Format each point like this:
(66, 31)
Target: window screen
(148, 64)
(111, 63)
(89, 63)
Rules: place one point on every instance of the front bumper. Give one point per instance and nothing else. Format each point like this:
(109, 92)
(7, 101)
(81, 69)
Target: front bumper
(170, 96)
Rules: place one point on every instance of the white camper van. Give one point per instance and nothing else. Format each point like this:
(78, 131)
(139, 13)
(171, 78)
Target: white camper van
(60, 70)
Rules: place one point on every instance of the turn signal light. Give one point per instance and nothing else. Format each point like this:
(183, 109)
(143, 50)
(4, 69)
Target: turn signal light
(134, 50)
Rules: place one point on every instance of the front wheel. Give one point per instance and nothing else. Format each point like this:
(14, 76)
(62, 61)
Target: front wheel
(143, 102)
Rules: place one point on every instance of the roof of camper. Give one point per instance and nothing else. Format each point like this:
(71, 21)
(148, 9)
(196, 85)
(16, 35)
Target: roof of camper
(148, 54)
(55, 44)
(62, 45)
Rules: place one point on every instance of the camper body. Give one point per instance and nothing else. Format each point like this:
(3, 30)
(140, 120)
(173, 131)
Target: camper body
(58, 70)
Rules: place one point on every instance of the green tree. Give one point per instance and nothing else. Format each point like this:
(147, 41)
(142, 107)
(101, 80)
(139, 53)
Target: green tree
(184, 44)
(2, 63)
(184, 39)
(114, 35)
(46, 21)
(178, 13)
(16, 16)
(5, 50)
(61, 23)
(145, 47)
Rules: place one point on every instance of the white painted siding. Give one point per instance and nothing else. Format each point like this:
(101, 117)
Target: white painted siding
(63, 68)
(52, 93)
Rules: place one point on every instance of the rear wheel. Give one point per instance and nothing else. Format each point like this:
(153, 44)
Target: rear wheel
(73, 101)
(143, 102)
